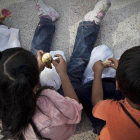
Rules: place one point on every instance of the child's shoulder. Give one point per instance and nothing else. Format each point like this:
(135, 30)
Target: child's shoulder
(49, 95)
(57, 99)
(103, 108)
(48, 92)
(109, 102)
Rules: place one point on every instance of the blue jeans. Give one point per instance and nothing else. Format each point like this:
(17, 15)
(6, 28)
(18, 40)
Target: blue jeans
(43, 36)
(84, 43)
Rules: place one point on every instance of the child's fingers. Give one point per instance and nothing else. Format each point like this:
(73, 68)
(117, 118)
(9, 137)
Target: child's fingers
(113, 66)
(60, 57)
(107, 65)
(40, 54)
(114, 63)
(57, 60)
(112, 59)
(54, 63)
(41, 51)
(99, 62)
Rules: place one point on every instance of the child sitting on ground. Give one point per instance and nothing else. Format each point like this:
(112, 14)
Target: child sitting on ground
(25, 110)
(122, 117)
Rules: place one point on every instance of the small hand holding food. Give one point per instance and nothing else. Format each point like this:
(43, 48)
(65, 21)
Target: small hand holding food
(61, 65)
(98, 67)
(107, 63)
(111, 62)
(114, 63)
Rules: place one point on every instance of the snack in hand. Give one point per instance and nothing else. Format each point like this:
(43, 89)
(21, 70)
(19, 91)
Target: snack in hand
(107, 63)
(46, 58)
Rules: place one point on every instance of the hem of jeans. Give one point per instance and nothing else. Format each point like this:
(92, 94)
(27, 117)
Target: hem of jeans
(89, 23)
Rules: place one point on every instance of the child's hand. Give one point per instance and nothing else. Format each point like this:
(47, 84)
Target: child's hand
(98, 67)
(41, 65)
(60, 66)
(115, 63)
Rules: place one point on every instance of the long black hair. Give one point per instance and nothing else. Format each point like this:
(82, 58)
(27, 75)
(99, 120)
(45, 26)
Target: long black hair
(19, 74)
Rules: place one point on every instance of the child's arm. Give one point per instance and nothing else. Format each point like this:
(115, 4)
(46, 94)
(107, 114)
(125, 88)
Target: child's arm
(61, 69)
(97, 89)
(67, 87)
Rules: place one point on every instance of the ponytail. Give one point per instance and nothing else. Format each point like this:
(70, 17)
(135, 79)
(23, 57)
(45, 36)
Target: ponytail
(18, 106)
(19, 74)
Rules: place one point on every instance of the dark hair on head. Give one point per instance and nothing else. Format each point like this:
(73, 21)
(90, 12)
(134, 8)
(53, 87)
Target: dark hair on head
(128, 74)
(19, 75)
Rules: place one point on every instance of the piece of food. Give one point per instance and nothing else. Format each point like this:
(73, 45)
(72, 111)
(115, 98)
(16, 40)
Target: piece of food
(46, 58)
(107, 63)
(4, 13)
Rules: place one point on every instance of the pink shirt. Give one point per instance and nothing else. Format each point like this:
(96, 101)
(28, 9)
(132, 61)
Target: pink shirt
(59, 118)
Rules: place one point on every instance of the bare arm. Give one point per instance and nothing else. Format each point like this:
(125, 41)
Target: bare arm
(97, 89)
(61, 68)
(67, 87)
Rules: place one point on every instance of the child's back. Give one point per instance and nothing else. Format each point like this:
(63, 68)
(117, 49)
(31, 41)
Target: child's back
(31, 113)
(55, 116)
(118, 125)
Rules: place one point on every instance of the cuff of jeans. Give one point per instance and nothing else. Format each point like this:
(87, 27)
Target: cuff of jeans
(89, 23)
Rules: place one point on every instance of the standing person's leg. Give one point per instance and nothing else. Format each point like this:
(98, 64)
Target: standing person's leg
(44, 32)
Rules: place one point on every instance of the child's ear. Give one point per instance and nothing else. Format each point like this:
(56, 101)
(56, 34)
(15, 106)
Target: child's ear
(117, 85)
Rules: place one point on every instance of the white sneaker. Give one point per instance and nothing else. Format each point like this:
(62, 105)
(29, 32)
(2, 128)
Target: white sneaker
(98, 12)
(44, 10)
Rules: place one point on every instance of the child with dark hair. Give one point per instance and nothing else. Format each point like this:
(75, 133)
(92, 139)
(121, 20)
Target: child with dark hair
(122, 117)
(23, 106)
(29, 113)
